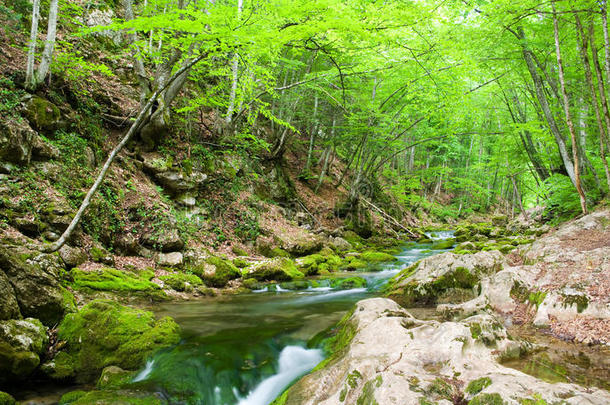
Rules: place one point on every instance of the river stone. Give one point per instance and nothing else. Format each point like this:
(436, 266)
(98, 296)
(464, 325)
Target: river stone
(302, 244)
(340, 244)
(22, 342)
(105, 333)
(383, 355)
(36, 286)
(447, 277)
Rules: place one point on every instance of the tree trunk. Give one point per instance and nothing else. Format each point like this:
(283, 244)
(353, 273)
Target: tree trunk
(566, 107)
(137, 60)
(49, 46)
(234, 73)
(546, 109)
(29, 71)
(594, 100)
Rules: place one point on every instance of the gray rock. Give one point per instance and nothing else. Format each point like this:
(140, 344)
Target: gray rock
(168, 241)
(340, 244)
(16, 139)
(43, 115)
(9, 308)
(37, 290)
(22, 342)
(175, 182)
(387, 356)
(72, 256)
(170, 259)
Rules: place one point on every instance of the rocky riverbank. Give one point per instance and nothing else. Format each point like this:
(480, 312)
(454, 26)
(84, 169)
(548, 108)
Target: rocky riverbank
(383, 355)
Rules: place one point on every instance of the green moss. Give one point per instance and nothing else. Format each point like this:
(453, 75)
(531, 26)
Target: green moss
(478, 385)
(353, 263)
(240, 262)
(487, 399)
(239, 251)
(105, 333)
(537, 400)
(6, 399)
(353, 377)
(373, 256)
(114, 377)
(475, 330)
(181, 281)
(252, 284)
(71, 397)
(536, 298)
(219, 275)
(441, 388)
(108, 279)
(347, 283)
(279, 269)
(581, 301)
(115, 397)
(368, 392)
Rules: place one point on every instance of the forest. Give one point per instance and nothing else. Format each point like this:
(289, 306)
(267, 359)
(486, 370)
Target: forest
(196, 194)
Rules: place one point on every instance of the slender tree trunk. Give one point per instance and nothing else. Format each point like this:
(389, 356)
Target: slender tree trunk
(604, 13)
(137, 57)
(546, 109)
(326, 159)
(594, 99)
(49, 46)
(312, 136)
(29, 71)
(234, 73)
(113, 154)
(566, 107)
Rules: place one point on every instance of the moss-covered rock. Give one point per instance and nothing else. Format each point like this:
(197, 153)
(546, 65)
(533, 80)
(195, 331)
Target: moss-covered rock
(114, 377)
(377, 257)
(303, 245)
(22, 343)
(6, 399)
(240, 262)
(9, 308)
(348, 283)
(215, 271)
(43, 115)
(478, 385)
(279, 269)
(122, 281)
(105, 333)
(487, 399)
(352, 263)
(181, 281)
(111, 397)
(35, 285)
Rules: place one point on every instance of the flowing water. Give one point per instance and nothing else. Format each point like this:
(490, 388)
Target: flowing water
(246, 349)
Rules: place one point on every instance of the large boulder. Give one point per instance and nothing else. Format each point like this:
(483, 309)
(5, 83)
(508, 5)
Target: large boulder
(35, 282)
(16, 140)
(302, 244)
(22, 343)
(105, 333)
(43, 115)
(383, 355)
(166, 241)
(442, 278)
(177, 183)
(215, 271)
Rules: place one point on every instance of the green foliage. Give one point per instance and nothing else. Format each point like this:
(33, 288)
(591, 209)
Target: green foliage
(478, 385)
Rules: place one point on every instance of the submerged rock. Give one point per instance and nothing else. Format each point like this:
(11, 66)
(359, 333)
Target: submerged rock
(382, 355)
(105, 333)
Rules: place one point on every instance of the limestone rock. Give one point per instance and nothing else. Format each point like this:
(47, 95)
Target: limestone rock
(16, 139)
(279, 269)
(9, 308)
(22, 342)
(302, 245)
(35, 285)
(445, 277)
(340, 244)
(166, 241)
(72, 256)
(176, 182)
(412, 360)
(170, 259)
